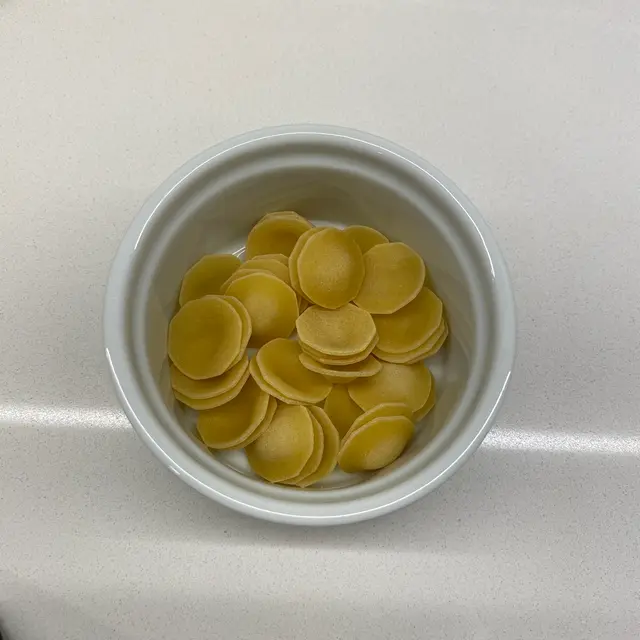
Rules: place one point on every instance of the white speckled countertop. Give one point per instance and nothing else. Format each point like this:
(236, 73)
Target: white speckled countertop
(532, 108)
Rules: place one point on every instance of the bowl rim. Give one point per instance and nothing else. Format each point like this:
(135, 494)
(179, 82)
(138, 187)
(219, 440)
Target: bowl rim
(122, 369)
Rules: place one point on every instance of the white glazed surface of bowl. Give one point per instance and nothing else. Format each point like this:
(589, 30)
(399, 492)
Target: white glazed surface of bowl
(332, 176)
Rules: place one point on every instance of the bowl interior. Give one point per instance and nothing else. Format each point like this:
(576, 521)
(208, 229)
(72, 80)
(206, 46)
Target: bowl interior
(210, 207)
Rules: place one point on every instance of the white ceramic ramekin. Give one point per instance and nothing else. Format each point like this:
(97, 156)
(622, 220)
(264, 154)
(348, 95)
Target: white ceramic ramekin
(334, 176)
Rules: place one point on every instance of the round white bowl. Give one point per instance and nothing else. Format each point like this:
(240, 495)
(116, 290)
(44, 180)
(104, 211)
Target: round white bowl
(333, 176)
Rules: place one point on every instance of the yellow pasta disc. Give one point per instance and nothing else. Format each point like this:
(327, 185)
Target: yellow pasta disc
(394, 276)
(411, 326)
(270, 265)
(205, 337)
(345, 331)
(376, 444)
(282, 214)
(256, 374)
(281, 452)
(382, 410)
(428, 405)
(229, 424)
(330, 268)
(271, 303)
(295, 254)
(345, 374)
(365, 237)
(211, 387)
(436, 347)
(280, 366)
(314, 460)
(246, 325)
(330, 450)
(275, 234)
(415, 355)
(409, 384)
(339, 361)
(262, 427)
(206, 276)
(341, 409)
(216, 401)
(275, 256)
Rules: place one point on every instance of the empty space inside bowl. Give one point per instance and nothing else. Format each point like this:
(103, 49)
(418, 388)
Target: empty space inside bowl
(215, 215)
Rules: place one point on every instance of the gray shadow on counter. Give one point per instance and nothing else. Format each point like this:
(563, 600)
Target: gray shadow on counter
(104, 483)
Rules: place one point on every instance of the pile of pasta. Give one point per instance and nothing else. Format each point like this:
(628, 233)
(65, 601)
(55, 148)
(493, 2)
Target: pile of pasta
(338, 322)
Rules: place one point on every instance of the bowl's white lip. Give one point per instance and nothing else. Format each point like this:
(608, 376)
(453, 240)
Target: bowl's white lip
(122, 369)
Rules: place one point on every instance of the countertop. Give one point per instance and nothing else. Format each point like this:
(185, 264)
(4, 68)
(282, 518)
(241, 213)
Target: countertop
(532, 108)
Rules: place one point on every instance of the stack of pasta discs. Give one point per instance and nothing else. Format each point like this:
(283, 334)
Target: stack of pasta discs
(364, 320)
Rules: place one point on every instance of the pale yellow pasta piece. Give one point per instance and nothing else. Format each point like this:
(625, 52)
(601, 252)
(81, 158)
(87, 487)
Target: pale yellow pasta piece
(282, 451)
(330, 269)
(282, 214)
(341, 409)
(339, 361)
(240, 273)
(342, 374)
(415, 355)
(211, 387)
(233, 422)
(280, 366)
(330, 451)
(394, 276)
(256, 374)
(376, 444)
(436, 347)
(246, 325)
(365, 237)
(315, 458)
(216, 401)
(270, 265)
(205, 337)
(409, 384)
(276, 256)
(206, 276)
(295, 254)
(411, 326)
(303, 304)
(275, 234)
(262, 427)
(345, 331)
(271, 303)
(382, 410)
(428, 405)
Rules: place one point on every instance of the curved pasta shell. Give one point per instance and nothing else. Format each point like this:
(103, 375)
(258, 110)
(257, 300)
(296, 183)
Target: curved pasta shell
(345, 331)
(342, 374)
(365, 237)
(330, 450)
(408, 384)
(216, 401)
(272, 306)
(411, 326)
(280, 366)
(211, 387)
(376, 444)
(282, 451)
(275, 234)
(330, 268)
(206, 276)
(230, 424)
(205, 337)
(394, 276)
(315, 458)
(341, 409)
